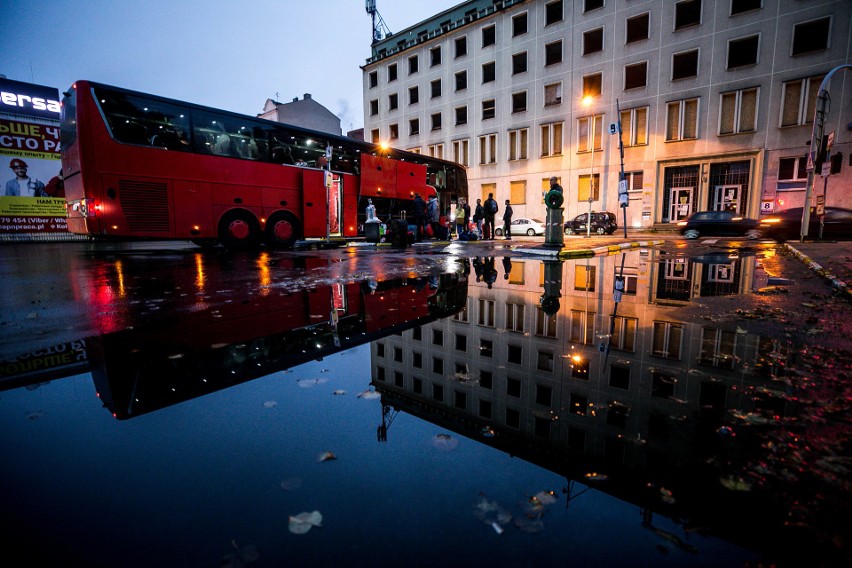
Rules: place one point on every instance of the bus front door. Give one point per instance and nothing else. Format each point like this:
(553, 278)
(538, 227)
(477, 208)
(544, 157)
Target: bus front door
(314, 204)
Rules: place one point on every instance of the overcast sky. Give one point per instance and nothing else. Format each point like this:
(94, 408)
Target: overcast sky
(228, 54)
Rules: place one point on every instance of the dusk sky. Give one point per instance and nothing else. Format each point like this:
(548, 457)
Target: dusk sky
(231, 55)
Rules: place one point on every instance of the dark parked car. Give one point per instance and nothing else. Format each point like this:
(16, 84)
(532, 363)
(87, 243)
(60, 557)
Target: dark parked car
(603, 223)
(787, 224)
(720, 224)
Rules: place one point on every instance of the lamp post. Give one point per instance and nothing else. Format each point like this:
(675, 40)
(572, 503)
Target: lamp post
(587, 101)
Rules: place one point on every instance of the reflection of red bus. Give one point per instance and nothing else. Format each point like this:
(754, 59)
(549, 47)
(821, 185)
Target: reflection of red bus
(138, 165)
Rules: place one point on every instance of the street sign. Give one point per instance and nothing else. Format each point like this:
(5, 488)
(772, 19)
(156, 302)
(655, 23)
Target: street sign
(826, 169)
(622, 186)
(820, 205)
(810, 166)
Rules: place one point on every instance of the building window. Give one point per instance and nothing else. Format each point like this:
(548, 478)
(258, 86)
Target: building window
(685, 64)
(543, 395)
(638, 27)
(619, 377)
(394, 131)
(391, 72)
(592, 85)
(593, 41)
(717, 348)
(413, 64)
(545, 362)
(415, 150)
(488, 149)
(588, 186)
(551, 139)
(687, 14)
(413, 126)
(460, 152)
(811, 36)
(584, 280)
(413, 95)
(798, 101)
(489, 109)
(552, 12)
(743, 51)
(438, 390)
(515, 317)
(578, 406)
(553, 53)
(393, 101)
(374, 107)
(519, 101)
(740, 6)
(634, 126)
(437, 337)
(417, 360)
(589, 5)
(518, 140)
(584, 138)
(553, 94)
(484, 408)
(461, 115)
(545, 325)
(489, 36)
(793, 169)
(436, 121)
(374, 79)
(738, 112)
(461, 80)
(623, 333)
(635, 75)
(667, 340)
(436, 151)
(580, 370)
(486, 349)
(519, 63)
(374, 136)
(488, 72)
(682, 120)
(517, 196)
(461, 46)
(435, 88)
(519, 25)
(435, 56)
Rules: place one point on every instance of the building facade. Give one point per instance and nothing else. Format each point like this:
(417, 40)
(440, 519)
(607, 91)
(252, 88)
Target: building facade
(715, 100)
(306, 113)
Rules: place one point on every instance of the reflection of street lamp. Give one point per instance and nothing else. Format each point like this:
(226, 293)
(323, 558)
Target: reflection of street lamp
(587, 102)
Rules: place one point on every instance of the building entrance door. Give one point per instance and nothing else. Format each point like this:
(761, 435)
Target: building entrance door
(727, 198)
(680, 203)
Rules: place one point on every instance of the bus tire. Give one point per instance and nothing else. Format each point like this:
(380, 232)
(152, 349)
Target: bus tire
(239, 230)
(282, 230)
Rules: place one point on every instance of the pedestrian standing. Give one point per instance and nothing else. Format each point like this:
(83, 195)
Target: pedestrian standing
(490, 209)
(507, 221)
(459, 217)
(420, 216)
(433, 215)
(478, 217)
(466, 215)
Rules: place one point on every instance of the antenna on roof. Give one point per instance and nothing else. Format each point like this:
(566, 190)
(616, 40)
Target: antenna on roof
(380, 30)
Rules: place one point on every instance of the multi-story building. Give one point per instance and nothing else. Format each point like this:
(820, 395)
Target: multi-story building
(716, 101)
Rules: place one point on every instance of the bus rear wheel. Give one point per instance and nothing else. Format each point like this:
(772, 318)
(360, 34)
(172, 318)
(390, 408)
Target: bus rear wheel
(239, 230)
(282, 230)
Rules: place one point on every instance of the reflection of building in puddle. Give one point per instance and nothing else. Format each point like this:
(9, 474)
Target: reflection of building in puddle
(679, 279)
(585, 391)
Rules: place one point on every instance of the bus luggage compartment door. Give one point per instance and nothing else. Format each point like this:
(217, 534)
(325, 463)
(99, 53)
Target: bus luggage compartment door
(314, 203)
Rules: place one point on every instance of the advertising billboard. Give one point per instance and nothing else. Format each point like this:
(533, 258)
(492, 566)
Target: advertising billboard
(32, 201)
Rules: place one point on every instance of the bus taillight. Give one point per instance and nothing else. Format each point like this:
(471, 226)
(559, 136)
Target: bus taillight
(84, 207)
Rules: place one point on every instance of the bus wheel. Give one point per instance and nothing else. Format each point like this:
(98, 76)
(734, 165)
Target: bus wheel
(205, 243)
(239, 230)
(282, 230)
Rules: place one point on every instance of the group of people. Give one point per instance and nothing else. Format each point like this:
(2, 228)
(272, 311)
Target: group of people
(484, 217)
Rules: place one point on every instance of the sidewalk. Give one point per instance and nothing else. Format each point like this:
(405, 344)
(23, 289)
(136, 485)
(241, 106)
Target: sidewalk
(830, 259)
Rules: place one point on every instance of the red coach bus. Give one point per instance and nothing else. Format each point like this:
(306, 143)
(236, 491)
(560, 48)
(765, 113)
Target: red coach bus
(139, 165)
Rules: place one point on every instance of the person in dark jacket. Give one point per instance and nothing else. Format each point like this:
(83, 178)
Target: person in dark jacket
(507, 221)
(490, 209)
(420, 216)
(479, 217)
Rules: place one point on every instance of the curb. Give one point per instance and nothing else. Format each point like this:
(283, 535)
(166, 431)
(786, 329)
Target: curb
(586, 253)
(836, 282)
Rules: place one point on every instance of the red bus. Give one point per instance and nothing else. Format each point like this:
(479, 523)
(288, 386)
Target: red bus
(139, 165)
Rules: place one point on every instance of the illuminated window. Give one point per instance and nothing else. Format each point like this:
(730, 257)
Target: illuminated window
(588, 186)
(584, 277)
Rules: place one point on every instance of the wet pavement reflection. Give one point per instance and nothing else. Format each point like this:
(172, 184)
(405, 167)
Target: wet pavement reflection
(507, 410)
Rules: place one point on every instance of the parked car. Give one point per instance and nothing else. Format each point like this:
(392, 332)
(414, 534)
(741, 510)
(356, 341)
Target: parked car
(719, 224)
(522, 226)
(787, 224)
(603, 223)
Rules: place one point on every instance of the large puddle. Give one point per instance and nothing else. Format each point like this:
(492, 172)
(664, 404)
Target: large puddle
(640, 409)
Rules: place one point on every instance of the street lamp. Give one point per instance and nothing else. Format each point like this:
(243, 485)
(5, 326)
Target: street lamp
(587, 102)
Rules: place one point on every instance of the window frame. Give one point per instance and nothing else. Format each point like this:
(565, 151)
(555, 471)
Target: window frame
(549, 53)
(647, 25)
(489, 36)
(630, 66)
(741, 43)
(682, 113)
(737, 118)
(520, 102)
(550, 137)
(598, 43)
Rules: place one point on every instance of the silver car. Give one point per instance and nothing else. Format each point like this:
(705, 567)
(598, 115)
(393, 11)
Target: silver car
(523, 226)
